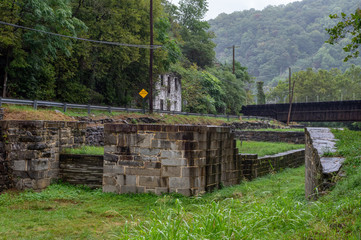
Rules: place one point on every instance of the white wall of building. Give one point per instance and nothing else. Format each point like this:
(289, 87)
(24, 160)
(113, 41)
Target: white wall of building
(168, 93)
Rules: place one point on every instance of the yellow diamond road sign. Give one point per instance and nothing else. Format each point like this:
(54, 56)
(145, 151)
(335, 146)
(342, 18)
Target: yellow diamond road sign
(143, 93)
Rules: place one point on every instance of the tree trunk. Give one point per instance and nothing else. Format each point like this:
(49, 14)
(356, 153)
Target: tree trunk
(6, 74)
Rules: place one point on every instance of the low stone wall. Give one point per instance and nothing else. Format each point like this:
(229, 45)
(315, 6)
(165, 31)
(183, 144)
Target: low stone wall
(31, 150)
(271, 136)
(82, 169)
(254, 167)
(161, 159)
(5, 172)
(320, 170)
(95, 136)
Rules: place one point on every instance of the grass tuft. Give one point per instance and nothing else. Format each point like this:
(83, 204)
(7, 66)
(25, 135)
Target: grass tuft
(266, 148)
(85, 150)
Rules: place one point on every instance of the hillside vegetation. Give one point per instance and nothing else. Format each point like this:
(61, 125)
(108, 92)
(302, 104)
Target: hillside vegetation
(279, 37)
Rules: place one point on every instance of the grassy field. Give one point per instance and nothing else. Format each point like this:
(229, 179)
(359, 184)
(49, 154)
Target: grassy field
(88, 150)
(266, 148)
(273, 207)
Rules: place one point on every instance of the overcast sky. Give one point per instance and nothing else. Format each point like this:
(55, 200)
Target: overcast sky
(228, 6)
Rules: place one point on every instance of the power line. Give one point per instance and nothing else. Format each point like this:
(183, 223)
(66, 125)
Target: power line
(84, 39)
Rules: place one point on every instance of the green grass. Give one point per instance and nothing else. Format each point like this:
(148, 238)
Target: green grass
(86, 150)
(273, 207)
(280, 130)
(266, 148)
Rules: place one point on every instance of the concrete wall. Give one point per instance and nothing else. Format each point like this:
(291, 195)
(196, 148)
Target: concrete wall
(271, 136)
(82, 169)
(168, 93)
(160, 159)
(254, 167)
(31, 150)
(320, 170)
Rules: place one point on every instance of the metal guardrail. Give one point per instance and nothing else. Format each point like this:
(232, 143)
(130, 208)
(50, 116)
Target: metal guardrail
(65, 106)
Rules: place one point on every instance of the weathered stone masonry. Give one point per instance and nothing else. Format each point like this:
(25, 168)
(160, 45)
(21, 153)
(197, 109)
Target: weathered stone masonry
(271, 136)
(254, 167)
(320, 169)
(30, 153)
(160, 159)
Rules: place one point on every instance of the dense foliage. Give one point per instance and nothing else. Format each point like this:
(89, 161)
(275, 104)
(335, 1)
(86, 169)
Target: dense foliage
(348, 25)
(36, 65)
(321, 85)
(279, 37)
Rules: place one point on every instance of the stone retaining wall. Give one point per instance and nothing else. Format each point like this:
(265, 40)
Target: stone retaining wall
(95, 136)
(160, 159)
(254, 167)
(271, 136)
(31, 150)
(82, 169)
(320, 170)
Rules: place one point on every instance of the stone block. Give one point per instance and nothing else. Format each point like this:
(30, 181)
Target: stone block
(142, 171)
(150, 181)
(110, 157)
(128, 189)
(39, 164)
(20, 165)
(190, 172)
(149, 151)
(163, 144)
(113, 169)
(130, 180)
(182, 182)
(110, 139)
(110, 189)
(153, 164)
(120, 180)
(144, 140)
(37, 146)
(43, 183)
(108, 180)
(110, 149)
(174, 162)
(171, 154)
(171, 171)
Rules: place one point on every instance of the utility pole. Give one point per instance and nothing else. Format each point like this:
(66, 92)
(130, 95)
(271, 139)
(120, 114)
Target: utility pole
(234, 57)
(289, 85)
(151, 60)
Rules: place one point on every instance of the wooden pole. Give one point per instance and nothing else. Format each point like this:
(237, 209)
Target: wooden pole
(151, 60)
(290, 109)
(289, 85)
(234, 59)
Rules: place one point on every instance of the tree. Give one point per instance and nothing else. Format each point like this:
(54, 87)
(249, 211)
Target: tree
(30, 55)
(261, 97)
(348, 25)
(198, 46)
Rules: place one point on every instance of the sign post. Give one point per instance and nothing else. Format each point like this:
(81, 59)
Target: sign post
(143, 94)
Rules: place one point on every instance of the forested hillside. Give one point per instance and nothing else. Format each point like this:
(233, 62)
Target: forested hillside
(283, 36)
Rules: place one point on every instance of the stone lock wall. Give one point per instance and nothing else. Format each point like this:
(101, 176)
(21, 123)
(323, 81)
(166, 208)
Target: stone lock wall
(31, 150)
(82, 169)
(160, 159)
(254, 167)
(320, 169)
(271, 136)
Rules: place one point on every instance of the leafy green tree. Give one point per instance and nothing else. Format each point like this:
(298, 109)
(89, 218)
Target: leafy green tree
(30, 58)
(198, 46)
(348, 25)
(261, 97)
